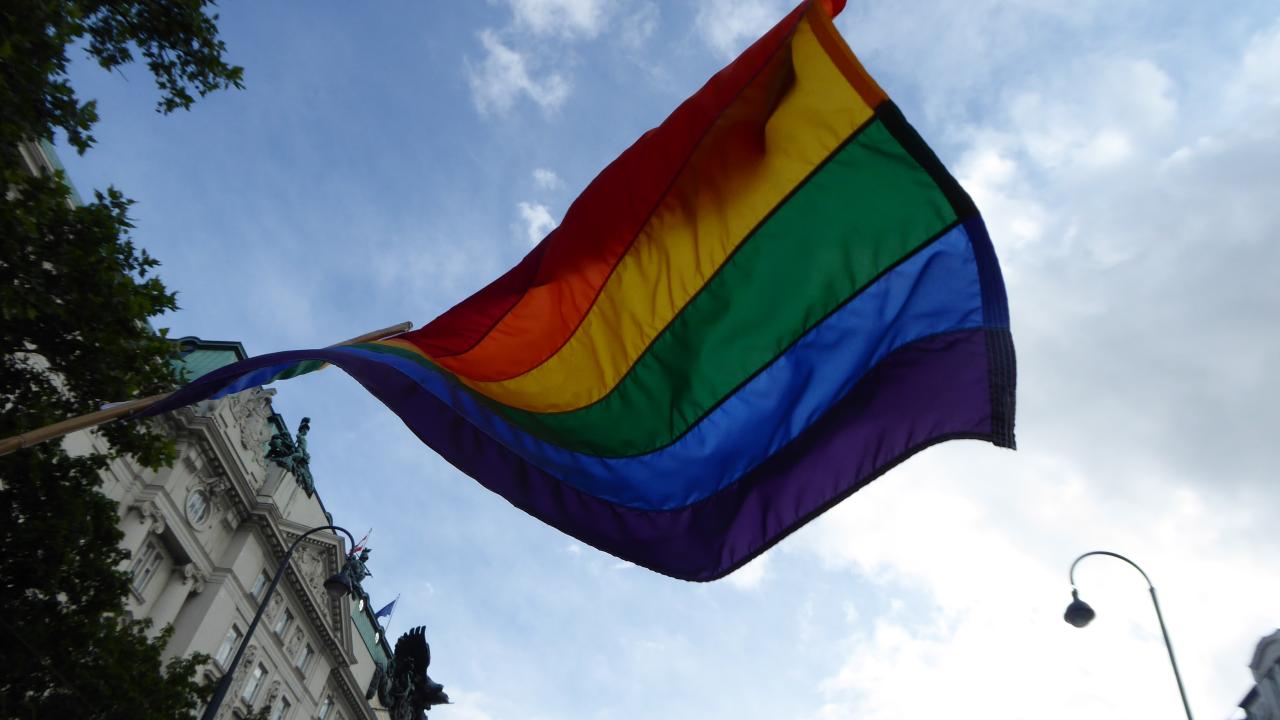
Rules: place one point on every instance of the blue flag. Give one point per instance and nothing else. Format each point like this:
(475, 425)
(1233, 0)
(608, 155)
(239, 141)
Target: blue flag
(387, 609)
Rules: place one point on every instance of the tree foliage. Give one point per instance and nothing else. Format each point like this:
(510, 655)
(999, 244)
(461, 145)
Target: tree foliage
(178, 39)
(76, 295)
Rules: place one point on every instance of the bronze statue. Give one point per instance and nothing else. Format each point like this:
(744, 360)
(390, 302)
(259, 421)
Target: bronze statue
(359, 568)
(355, 569)
(406, 690)
(292, 455)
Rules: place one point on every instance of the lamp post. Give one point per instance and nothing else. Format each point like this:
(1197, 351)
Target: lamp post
(337, 585)
(1079, 614)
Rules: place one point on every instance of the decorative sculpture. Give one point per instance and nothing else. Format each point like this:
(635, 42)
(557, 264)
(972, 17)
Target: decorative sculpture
(359, 567)
(406, 690)
(292, 455)
(355, 570)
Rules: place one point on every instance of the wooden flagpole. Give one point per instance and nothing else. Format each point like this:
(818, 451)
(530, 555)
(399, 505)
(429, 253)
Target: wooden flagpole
(124, 409)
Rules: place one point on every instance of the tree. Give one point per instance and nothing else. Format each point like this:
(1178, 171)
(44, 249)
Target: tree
(75, 298)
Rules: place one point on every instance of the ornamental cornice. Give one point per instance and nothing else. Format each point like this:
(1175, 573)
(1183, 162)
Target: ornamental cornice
(153, 516)
(334, 634)
(341, 677)
(219, 465)
(194, 577)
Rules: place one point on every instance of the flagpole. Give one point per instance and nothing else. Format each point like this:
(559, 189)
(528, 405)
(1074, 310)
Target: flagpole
(124, 409)
(394, 604)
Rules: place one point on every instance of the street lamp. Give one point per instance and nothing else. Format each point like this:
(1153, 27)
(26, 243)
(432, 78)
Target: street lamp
(336, 586)
(1079, 614)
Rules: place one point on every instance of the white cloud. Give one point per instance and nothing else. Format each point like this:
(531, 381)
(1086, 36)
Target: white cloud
(749, 576)
(537, 220)
(566, 18)
(729, 26)
(991, 557)
(639, 26)
(1258, 81)
(1094, 124)
(546, 179)
(504, 76)
(465, 705)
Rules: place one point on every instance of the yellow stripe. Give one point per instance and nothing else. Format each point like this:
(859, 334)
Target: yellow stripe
(709, 211)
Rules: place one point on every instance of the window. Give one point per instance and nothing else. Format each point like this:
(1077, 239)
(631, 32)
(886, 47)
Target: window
(260, 584)
(282, 710)
(198, 506)
(304, 657)
(253, 683)
(228, 646)
(282, 623)
(325, 708)
(145, 565)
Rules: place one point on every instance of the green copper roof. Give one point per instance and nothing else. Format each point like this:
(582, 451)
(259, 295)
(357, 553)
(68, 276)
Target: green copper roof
(198, 357)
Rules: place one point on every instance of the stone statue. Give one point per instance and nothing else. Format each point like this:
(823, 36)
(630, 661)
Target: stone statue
(295, 643)
(292, 455)
(251, 409)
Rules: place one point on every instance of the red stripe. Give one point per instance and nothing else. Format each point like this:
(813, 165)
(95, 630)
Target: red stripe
(612, 210)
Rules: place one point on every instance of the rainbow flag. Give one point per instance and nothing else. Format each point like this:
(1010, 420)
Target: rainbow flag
(758, 308)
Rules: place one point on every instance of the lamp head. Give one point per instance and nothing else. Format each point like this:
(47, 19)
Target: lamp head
(338, 585)
(1078, 613)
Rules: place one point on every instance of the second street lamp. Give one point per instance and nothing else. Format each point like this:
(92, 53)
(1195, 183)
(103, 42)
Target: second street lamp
(336, 586)
(1079, 614)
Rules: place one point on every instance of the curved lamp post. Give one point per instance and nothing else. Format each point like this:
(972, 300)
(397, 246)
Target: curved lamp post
(337, 586)
(1079, 614)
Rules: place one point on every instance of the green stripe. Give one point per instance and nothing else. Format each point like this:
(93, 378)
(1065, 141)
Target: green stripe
(301, 368)
(867, 208)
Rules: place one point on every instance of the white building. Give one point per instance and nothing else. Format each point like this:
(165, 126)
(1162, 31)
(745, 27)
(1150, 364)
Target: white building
(1263, 701)
(205, 537)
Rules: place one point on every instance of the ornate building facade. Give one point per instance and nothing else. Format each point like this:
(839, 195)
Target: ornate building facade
(205, 537)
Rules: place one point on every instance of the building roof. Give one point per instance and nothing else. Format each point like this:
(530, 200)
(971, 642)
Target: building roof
(198, 357)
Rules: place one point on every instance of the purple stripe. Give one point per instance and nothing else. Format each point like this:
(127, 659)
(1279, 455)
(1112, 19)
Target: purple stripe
(931, 390)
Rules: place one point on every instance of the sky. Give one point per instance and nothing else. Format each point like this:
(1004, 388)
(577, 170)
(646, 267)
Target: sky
(385, 160)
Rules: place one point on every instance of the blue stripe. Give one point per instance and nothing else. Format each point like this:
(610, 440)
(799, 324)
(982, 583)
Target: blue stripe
(937, 290)
(933, 292)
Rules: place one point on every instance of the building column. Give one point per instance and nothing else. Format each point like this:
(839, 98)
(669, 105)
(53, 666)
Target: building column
(149, 519)
(183, 581)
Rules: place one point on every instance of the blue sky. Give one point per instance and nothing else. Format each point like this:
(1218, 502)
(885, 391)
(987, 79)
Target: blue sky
(387, 159)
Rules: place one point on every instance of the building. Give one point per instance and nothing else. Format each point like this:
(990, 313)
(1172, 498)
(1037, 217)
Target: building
(1263, 701)
(205, 537)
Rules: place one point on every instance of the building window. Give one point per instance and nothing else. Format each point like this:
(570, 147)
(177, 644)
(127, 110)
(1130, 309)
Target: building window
(326, 707)
(260, 585)
(304, 657)
(228, 646)
(253, 683)
(282, 710)
(198, 506)
(145, 565)
(282, 623)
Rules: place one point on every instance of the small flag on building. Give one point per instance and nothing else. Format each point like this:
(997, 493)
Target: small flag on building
(361, 545)
(387, 609)
(761, 306)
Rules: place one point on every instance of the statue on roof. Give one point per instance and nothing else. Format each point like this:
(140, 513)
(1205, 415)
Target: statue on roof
(406, 690)
(355, 570)
(292, 455)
